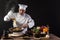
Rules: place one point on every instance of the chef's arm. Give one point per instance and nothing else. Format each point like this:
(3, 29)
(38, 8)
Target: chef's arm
(7, 17)
(31, 23)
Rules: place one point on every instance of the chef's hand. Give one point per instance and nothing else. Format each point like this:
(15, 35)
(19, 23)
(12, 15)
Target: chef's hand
(12, 18)
(25, 25)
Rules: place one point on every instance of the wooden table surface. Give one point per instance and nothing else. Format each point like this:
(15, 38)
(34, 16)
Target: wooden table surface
(52, 37)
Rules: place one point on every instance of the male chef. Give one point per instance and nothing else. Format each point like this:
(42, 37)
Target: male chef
(23, 20)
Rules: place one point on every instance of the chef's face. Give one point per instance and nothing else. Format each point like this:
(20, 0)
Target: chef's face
(21, 11)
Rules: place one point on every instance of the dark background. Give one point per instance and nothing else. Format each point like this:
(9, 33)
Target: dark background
(42, 11)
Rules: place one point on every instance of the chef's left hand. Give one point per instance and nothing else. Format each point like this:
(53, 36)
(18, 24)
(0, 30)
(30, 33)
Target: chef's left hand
(25, 25)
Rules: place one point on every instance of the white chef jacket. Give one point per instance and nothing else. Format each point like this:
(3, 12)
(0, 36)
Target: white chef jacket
(20, 19)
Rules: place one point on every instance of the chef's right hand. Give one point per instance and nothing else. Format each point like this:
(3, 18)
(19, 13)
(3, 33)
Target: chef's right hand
(12, 18)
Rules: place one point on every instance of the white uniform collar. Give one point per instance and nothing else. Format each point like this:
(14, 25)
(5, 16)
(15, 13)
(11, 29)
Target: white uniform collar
(22, 15)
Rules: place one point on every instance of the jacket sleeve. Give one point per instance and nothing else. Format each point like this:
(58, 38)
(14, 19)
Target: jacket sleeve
(31, 22)
(8, 16)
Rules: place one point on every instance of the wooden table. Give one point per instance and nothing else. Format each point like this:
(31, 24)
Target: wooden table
(52, 37)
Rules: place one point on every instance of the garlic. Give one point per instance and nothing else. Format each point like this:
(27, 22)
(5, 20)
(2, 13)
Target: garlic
(47, 36)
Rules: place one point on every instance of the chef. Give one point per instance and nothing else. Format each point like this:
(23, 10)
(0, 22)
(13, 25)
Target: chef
(22, 19)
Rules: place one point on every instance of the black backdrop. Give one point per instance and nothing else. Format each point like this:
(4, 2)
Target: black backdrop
(42, 11)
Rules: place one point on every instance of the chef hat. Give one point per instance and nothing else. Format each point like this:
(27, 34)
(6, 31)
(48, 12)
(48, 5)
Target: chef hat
(22, 6)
